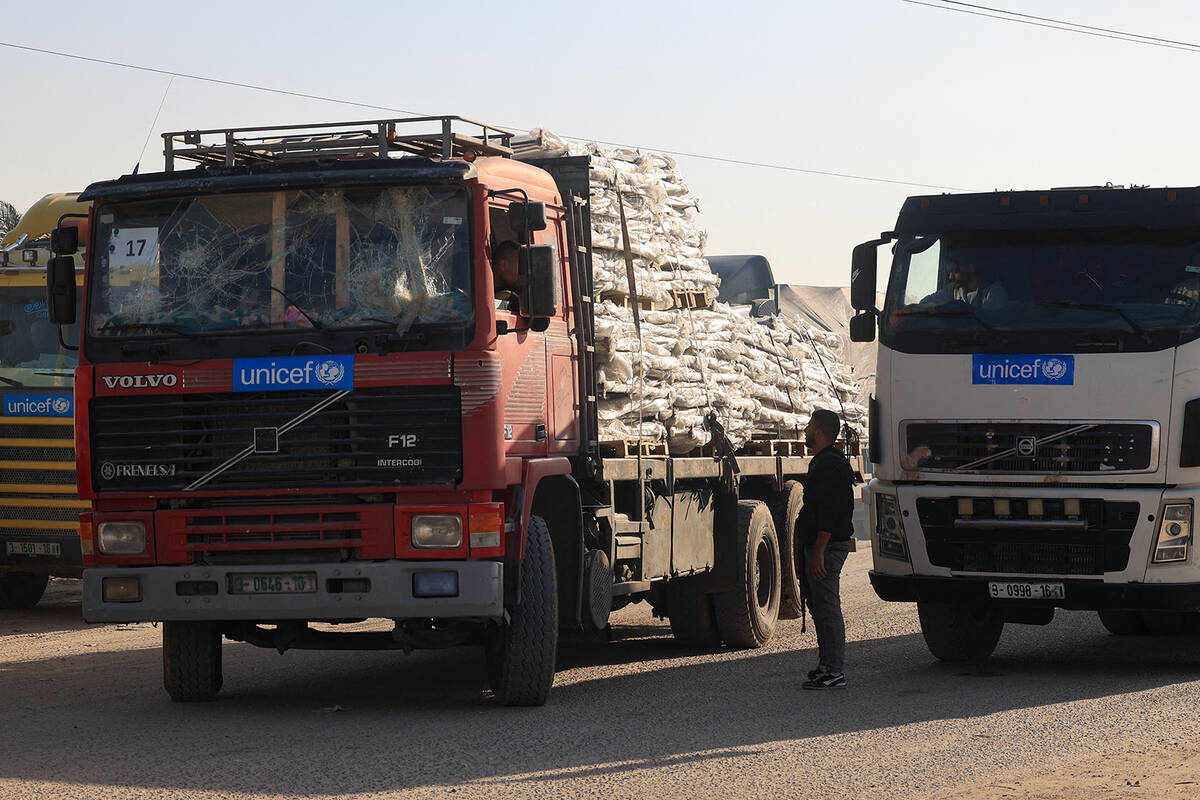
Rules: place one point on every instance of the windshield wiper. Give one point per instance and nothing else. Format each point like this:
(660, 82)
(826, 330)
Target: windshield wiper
(59, 373)
(1136, 328)
(162, 327)
(12, 382)
(316, 324)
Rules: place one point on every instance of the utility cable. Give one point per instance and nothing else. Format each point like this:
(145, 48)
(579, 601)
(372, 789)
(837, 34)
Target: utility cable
(153, 124)
(307, 96)
(203, 78)
(1073, 24)
(1069, 27)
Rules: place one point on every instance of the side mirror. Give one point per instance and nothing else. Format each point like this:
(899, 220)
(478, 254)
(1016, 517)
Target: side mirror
(863, 266)
(539, 282)
(527, 217)
(64, 241)
(60, 290)
(862, 327)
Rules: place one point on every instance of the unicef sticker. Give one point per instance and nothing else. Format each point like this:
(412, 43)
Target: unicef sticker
(284, 374)
(1023, 369)
(38, 405)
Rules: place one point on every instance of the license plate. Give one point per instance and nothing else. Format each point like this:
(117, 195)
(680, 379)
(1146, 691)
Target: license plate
(273, 583)
(34, 549)
(1011, 590)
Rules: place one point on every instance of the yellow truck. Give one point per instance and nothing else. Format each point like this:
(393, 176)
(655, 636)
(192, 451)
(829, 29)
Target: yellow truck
(39, 507)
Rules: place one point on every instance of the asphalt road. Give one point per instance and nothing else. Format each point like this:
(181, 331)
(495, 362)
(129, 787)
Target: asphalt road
(83, 714)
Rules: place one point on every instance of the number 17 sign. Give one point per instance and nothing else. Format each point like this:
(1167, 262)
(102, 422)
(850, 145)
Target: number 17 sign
(133, 247)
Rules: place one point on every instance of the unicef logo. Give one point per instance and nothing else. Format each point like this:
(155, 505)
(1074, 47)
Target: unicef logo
(60, 405)
(330, 372)
(1054, 368)
(108, 471)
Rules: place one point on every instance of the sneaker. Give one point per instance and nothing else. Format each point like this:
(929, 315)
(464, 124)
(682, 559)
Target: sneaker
(813, 673)
(826, 680)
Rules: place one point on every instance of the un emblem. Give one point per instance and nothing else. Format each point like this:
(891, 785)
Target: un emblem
(1054, 368)
(330, 372)
(60, 405)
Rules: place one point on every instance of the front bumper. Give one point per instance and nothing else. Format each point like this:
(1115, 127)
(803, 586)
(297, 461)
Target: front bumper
(480, 593)
(1080, 594)
(33, 552)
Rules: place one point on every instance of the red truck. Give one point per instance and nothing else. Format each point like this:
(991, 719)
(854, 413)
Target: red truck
(299, 404)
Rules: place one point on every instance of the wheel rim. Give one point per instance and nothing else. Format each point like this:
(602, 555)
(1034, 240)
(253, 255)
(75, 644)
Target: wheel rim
(762, 568)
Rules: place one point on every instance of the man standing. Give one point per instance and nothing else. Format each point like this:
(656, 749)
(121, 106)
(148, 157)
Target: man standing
(826, 523)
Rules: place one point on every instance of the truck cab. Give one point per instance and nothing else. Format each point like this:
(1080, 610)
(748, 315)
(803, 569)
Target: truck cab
(1036, 429)
(39, 507)
(305, 399)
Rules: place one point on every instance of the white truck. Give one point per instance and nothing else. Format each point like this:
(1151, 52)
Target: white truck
(1036, 430)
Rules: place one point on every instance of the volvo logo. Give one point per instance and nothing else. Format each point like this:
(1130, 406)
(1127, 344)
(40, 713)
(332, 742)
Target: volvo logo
(1027, 445)
(140, 381)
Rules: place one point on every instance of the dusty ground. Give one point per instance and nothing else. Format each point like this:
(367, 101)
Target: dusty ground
(1064, 711)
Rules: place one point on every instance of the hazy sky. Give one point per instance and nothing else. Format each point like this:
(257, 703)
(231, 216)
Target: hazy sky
(878, 88)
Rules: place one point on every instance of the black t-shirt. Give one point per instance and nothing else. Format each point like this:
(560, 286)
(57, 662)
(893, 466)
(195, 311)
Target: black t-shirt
(828, 497)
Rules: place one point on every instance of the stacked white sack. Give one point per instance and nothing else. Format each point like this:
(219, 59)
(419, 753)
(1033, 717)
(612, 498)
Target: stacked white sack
(760, 375)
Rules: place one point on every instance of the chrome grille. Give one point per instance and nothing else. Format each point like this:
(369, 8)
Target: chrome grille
(1031, 447)
(169, 442)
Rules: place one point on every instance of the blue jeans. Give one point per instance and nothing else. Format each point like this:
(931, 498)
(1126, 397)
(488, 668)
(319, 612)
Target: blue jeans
(825, 604)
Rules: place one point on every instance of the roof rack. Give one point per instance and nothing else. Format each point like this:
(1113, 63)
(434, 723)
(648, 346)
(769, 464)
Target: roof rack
(432, 137)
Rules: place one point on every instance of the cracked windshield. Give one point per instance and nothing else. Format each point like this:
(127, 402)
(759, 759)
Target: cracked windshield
(1136, 284)
(325, 259)
(30, 353)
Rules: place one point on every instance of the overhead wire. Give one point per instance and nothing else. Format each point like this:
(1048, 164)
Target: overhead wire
(1058, 25)
(309, 96)
(1074, 24)
(204, 78)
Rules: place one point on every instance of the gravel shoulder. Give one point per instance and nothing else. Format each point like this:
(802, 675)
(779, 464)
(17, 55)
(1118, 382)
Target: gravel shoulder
(84, 714)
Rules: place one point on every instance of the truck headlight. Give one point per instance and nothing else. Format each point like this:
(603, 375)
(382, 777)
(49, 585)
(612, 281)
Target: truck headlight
(121, 538)
(1174, 534)
(437, 531)
(889, 527)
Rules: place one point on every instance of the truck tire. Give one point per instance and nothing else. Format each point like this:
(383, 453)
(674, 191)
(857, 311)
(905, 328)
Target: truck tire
(521, 653)
(191, 661)
(22, 589)
(1122, 621)
(693, 623)
(959, 633)
(785, 509)
(747, 614)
